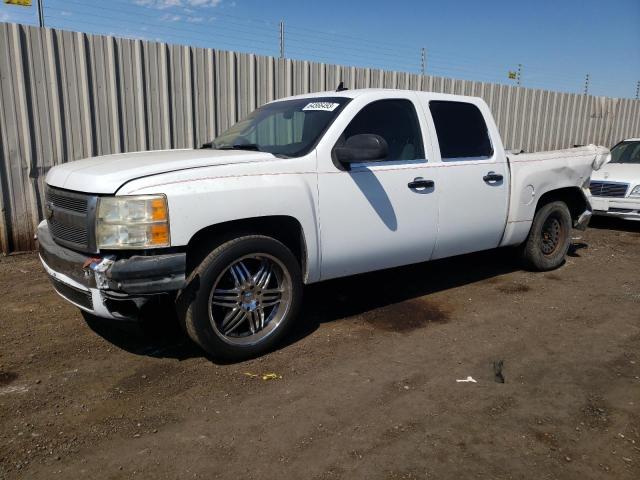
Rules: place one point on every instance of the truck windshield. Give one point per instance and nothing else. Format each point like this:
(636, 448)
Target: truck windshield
(626, 152)
(289, 128)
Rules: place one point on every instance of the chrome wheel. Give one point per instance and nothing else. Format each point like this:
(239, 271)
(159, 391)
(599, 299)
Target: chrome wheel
(249, 299)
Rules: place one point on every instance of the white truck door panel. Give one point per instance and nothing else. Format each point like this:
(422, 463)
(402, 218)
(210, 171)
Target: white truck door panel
(373, 216)
(371, 219)
(473, 211)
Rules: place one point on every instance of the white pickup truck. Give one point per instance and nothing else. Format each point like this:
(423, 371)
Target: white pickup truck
(304, 189)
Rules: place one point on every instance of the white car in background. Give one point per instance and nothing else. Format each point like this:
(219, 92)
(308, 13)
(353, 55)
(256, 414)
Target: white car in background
(615, 189)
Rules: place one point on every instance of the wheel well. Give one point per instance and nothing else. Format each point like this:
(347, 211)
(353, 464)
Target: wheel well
(283, 228)
(572, 196)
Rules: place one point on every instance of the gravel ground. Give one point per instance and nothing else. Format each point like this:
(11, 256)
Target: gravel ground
(364, 388)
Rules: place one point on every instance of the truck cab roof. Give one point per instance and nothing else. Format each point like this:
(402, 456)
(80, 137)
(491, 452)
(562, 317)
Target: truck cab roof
(375, 92)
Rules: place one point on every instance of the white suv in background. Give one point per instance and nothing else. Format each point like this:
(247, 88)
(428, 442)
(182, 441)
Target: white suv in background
(615, 189)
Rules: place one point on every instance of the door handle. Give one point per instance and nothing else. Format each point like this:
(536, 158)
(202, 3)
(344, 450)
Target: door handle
(492, 177)
(420, 182)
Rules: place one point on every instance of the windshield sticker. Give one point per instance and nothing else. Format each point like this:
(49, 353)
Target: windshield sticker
(321, 106)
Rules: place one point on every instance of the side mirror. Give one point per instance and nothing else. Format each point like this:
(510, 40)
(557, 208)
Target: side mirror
(366, 147)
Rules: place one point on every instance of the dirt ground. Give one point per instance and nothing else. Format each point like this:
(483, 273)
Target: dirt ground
(368, 381)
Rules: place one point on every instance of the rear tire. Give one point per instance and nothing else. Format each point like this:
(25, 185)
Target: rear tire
(242, 298)
(548, 242)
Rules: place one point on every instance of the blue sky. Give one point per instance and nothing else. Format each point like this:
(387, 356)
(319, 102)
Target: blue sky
(557, 42)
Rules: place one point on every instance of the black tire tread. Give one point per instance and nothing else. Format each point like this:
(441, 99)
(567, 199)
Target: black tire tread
(530, 253)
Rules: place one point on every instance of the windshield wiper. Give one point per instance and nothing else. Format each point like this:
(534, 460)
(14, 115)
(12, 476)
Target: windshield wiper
(240, 146)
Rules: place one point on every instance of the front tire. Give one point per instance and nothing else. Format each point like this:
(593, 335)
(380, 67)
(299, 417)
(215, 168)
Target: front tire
(548, 242)
(242, 299)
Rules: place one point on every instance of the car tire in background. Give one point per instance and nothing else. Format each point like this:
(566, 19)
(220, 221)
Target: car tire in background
(241, 300)
(548, 242)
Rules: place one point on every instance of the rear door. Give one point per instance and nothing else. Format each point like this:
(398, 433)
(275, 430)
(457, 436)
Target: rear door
(473, 180)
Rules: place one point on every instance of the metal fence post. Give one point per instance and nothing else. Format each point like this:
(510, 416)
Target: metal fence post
(40, 13)
(586, 84)
(281, 38)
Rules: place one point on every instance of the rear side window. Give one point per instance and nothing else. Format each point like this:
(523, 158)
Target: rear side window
(394, 120)
(461, 129)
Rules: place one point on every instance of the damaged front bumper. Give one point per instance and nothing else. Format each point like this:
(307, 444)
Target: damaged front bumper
(108, 286)
(582, 222)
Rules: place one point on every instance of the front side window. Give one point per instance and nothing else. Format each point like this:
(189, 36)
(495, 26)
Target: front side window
(395, 121)
(626, 152)
(461, 129)
(290, 128)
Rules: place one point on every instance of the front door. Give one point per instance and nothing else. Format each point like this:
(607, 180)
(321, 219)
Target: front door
(385, 213)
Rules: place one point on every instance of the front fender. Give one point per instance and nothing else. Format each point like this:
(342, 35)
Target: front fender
(223, 194)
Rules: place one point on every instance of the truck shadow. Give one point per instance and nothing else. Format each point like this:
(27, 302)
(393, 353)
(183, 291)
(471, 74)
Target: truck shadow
(160, 335)
(346, 297)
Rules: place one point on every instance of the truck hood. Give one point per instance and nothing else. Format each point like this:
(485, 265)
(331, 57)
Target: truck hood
(107, 173)
(619, 172)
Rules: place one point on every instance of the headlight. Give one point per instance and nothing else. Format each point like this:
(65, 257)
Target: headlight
(635, 192)
(140, 221)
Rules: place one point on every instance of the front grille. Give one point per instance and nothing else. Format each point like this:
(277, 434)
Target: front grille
(65, 202)
(608, 189)
(70, 216)
(68, 233)
(74, 295)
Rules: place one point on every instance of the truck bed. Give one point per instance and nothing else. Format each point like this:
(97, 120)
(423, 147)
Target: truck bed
(534, 174)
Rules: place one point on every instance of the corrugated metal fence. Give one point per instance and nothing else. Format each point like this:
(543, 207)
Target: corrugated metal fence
(68, 95)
